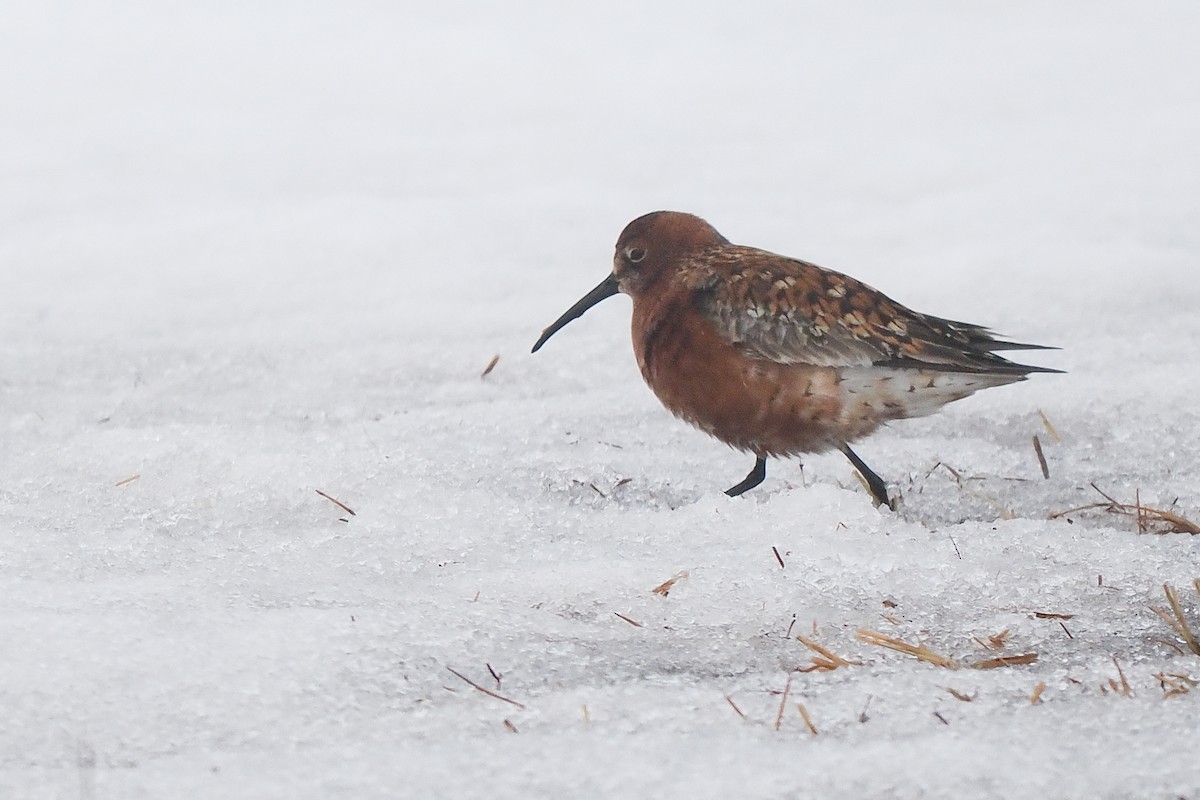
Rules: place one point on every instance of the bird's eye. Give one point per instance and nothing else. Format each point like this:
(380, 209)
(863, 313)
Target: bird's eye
(635, 254)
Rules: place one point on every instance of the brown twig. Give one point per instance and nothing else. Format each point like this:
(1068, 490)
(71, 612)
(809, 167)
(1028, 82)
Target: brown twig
(634, 623)
(778, 557)
(486, 691)
(1145, 515)
(338, 503)
(1041, 457)
(733, 705)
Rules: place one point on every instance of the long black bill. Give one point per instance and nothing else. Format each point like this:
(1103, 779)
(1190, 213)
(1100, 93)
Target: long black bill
(607, 288)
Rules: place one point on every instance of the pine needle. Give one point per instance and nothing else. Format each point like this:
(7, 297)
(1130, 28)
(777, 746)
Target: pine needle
(825, 660)
(920, 652)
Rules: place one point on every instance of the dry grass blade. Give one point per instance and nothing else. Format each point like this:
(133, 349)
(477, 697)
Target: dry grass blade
(632, 622)
(1123, 688)
(733, 705)
(491, 366)
(787, 689)
(1006, 661)
(1179, 623)
(1145, 516)
(1174, 684)
(486, 691)
(994, 642)
(664, 588)
(807, 720)
(1041, 457)
(825, 660)
(337, 503)
(1036, 697)
(920, 652)
(1049, 428)
(957, 695)
(1164, 642)
(130, 479)
(1052, 615)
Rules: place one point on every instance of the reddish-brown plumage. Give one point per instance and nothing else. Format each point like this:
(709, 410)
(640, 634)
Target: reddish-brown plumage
(776, 356)
(751, 404)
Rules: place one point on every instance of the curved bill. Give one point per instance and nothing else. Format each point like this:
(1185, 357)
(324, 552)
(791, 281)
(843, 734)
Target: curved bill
(607, 288)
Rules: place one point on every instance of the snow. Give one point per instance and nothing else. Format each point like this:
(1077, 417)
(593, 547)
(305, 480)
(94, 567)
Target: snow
(251, 251)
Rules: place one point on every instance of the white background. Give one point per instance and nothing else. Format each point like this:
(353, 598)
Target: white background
(252, 250)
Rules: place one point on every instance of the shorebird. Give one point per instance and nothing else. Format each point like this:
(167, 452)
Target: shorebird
(779, 357)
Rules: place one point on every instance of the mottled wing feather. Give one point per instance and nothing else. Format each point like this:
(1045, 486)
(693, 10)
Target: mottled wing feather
(793, 312)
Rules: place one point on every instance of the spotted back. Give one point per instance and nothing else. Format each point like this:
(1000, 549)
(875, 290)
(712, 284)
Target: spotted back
(792, 312)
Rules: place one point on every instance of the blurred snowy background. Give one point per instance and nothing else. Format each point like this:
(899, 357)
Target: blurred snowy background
(249, 251)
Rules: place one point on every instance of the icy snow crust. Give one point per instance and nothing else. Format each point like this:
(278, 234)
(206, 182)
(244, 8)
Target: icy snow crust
(253, 251)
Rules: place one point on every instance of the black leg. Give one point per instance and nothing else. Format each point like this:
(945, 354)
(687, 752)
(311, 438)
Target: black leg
(755, 477)
(875, 484)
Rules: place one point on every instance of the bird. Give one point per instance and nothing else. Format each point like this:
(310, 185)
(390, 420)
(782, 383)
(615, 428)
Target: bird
(778, 357)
